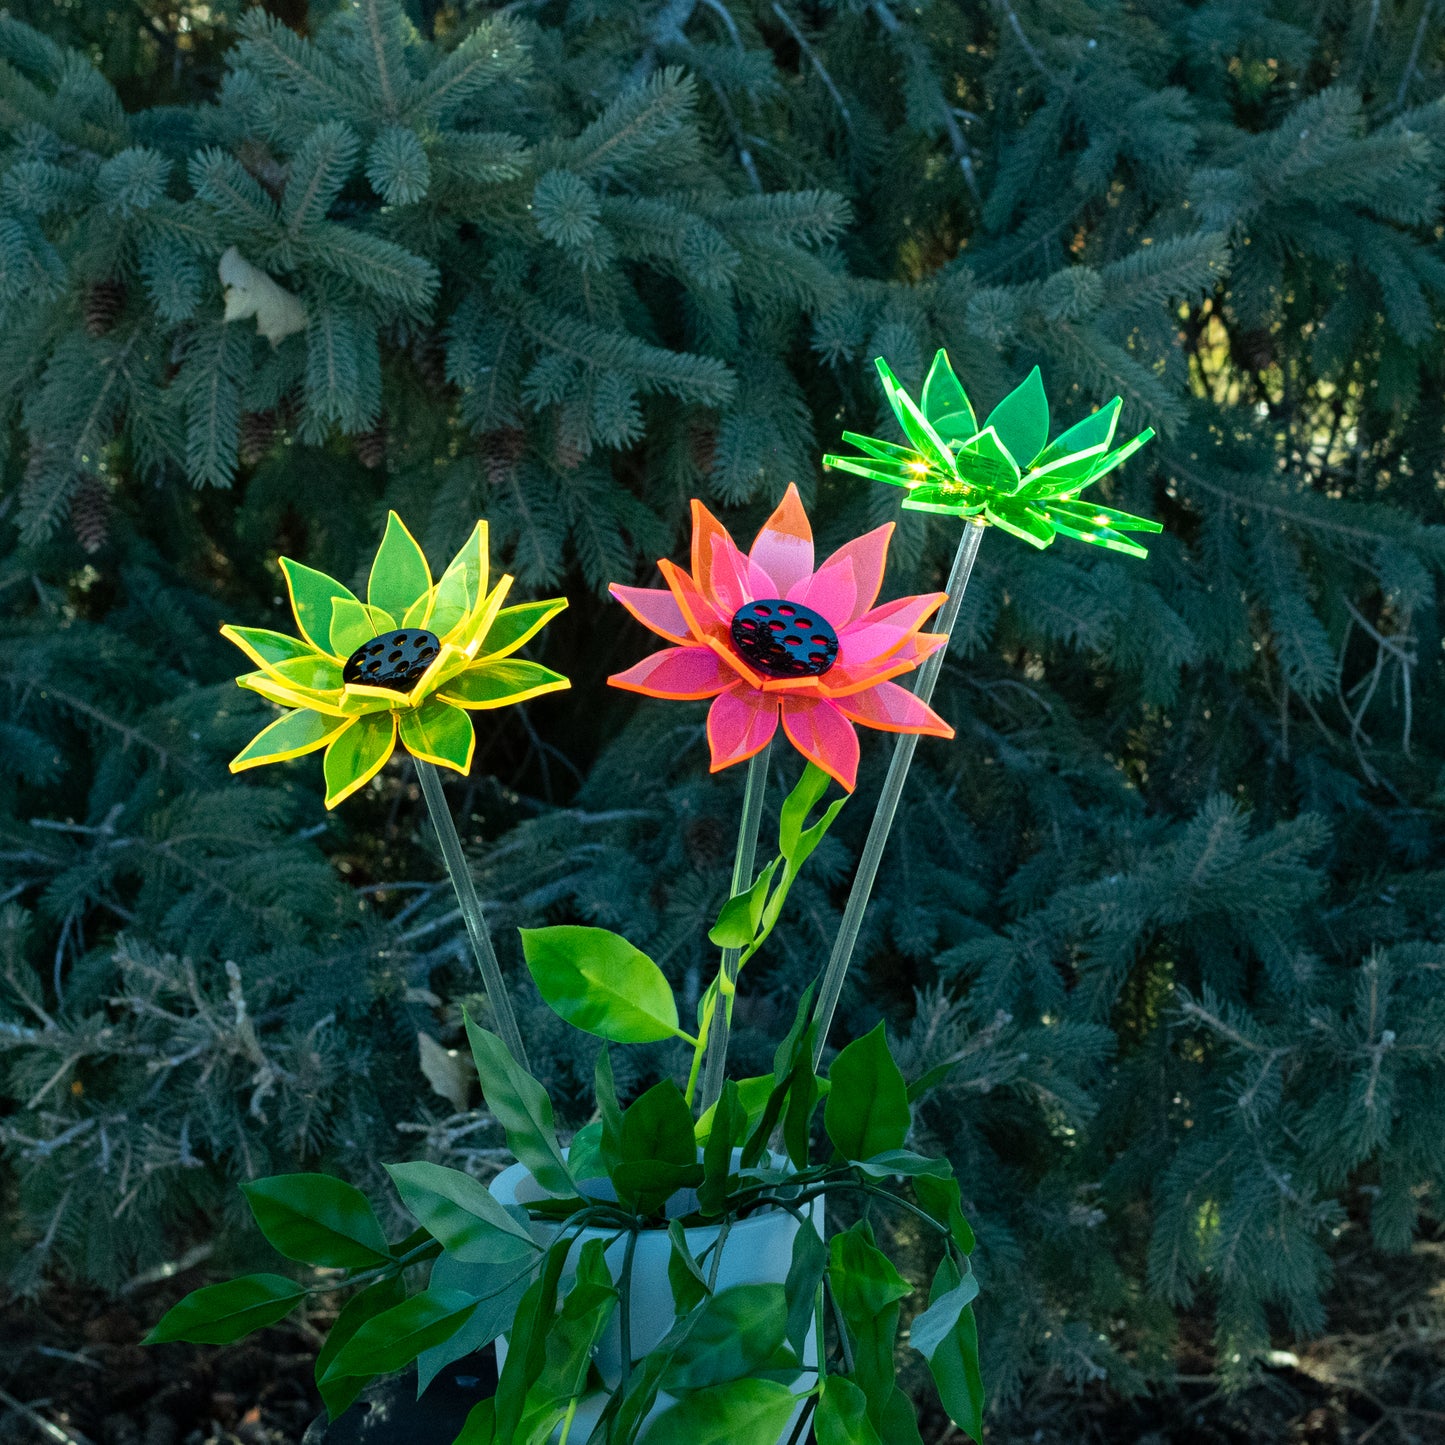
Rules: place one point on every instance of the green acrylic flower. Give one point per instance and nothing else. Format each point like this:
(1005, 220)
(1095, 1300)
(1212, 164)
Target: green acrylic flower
(1006, 472)
(412, 662)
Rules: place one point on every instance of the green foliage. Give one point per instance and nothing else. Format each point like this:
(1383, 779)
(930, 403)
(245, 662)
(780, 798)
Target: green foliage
(1159, 934)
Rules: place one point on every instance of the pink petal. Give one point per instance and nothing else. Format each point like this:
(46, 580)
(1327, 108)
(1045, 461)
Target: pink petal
(655, 608)
(736, 579)
(701, 616)
(824, 736)
(893, 709)
(842, 681)
(676, 672)
(710, 540)
(881, 632)
(740, 723)
(784, 547)
(831, 590)
(869, 556)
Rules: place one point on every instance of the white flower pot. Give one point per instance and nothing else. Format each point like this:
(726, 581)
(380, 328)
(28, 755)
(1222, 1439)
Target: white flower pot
(758, 1250)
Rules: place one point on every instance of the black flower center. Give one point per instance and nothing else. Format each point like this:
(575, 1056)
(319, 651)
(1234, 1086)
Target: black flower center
(395, 660)
(782, 639)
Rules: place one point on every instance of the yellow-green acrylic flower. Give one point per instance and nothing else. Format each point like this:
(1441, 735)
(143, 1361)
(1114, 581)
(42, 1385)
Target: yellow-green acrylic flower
(411, 662)
(1005, 472)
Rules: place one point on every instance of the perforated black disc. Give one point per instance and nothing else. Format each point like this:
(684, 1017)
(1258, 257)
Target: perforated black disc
(782, 639)
(395, 660)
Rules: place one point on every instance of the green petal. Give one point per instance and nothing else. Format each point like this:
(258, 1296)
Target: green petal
(332, 703)
(875, 471)
(986, 462)
(314, 673)
(1121, 454)
(875, 447)
(913, 422)
(357, 755)
(291, 736)
(312, 594)
(439, 734)
(496, 684)
(1021, 419)
(949, 501)
(945, 402)
(1084, 438)
(1100, 537)
(266, 648)
(399, 575)
(1024, 522)
(462, 584)
(353, 623)
(517, 625)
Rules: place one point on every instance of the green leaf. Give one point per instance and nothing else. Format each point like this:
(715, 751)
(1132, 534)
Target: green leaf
(805, 796)
(899, 1421)
(942, 1200)
(601, 984)
(1021, 419)
(316, 1219)
(606, 1091)
(313, 594)
(949, 1340)
(737, 1330)
(904, 1162)
(521, 1106)
(842, 1417)
(753, 1094)
(497, 1301)
(219, 1314)
(462, 1213)
(945, 403)
(584, 1154)
(657, 1150)
(743, 1412)
(805, 1273)
(385, 1294)
(737, 923)
(867, 1109)
(394, 1338)
(527, 1341)
(868, 1289)
(684, 1277)
(585, 1311)
(400, 574)
(728, 1129)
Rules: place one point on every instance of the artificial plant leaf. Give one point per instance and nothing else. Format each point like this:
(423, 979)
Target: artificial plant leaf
(515, 626)
(867, 1108)
(292, 736)
(395, 1337)
(629, 1405)
(800, 1289)
(899, 1420)
(658, 1153)
(586, 1308)
(400, 574)
(601, 984)
(807, 792)
(727, 1129)
(737, 1330)
(521, 1106)
(584, 1154)
(312, 595)
(354, 757)
(222, 1313)
(950, 1344)
(610, 1142)
(737, 923)
(462, 585)
(385, 1294)
(462, 1213)
(684, 1276)
(742, 1412)
(490, 684)
(527, 1341)
(497, 1301)
(943, 1201)
(436, 732)
(317, 1219)
(946, 404)
(792, 1060)
(842, 1415)
(752, 1093)
(1021, 419)
(353, 623)
(867, 1290)
(904, 1162)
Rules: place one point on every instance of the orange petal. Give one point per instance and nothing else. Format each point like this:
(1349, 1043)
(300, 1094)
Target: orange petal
(784, 546)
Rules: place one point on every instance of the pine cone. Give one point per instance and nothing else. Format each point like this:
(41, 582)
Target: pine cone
(702, 444)
(371, 447)
(258, 431)
(501, 451)
(90, 510)
(429, 353)
(104, 302)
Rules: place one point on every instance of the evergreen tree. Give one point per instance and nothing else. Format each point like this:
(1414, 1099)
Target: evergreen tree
(1162, 932)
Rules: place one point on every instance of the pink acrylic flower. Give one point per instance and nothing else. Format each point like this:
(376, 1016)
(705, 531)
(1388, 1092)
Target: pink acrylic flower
(766, 635)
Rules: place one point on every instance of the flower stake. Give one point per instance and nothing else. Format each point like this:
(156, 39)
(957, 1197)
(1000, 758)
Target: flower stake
(954, 466)
(412, 662)
(768, 637)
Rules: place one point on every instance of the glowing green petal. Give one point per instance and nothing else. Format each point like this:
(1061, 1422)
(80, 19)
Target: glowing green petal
(315, 673)
(1021, 419)
(1024, 522)
(356, 755)
(946, 403)
(1084, 438)
(266, 648)
(333, 704)
(462, 584)
(475, 628)
(497, 684)
(517, 625)
(440, 734)
(399, 575)
(987, 462)
(353, 623)
(896, 474)
(876, 447)
(312, 596)
(913, 422)
(291, 736)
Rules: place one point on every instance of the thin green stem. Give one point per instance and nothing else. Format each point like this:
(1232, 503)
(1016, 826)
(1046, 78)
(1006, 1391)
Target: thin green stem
(715, 1068)
(877, 841)
(624, 1305)
(471, 906)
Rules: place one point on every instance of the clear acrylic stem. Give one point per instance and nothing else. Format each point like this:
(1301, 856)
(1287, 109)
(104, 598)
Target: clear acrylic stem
(715, 1065)
(863, 879)
(471, 906)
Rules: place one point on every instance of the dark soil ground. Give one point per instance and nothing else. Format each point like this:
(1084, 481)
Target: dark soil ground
(72, 1372)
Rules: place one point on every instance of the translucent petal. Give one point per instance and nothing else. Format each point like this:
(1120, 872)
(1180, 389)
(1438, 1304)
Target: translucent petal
(784, 546)
(358, 754)
(291, 736)
(824, 736)
(497, 684)
(354, 623)
(439, 733)
(312, 594)
(1021, 419)
(680, 673)
(461, 586)
(740, 723)
(516, 626)
(400, 574)
(946, 403)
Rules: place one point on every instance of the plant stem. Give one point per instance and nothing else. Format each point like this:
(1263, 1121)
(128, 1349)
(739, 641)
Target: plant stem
(716, 1040)
(471, 906)
(902, 760)
(624, 1304)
